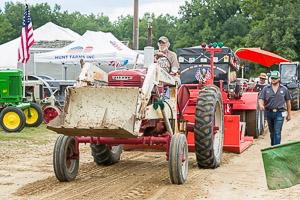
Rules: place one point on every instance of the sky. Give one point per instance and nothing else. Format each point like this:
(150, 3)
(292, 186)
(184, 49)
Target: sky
(111, 8)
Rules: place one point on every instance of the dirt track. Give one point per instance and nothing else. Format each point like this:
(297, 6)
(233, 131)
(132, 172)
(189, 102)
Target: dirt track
(26, 173)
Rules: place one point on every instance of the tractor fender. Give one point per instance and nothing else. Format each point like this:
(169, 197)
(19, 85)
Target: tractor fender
(21, 105)
(292, 85)
(249, 102)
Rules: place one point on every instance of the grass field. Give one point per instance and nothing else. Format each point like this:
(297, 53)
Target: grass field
(29, 135)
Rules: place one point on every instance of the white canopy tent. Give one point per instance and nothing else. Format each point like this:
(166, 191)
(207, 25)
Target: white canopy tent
(92, 46)
(47, 32)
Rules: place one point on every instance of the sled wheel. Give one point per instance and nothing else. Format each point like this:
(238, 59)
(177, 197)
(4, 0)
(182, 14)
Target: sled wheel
(65, 160)
(242, 114)
(178, 159)
(209, 127)
(262, 123)
(295, 98)
(36, 117)
(253, 123)
(12, 119)
(106, 155)
(50, 112)
(260, 120)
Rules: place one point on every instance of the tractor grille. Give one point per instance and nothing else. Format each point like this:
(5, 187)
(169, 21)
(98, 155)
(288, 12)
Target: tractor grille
(14, 86)
(126, 83)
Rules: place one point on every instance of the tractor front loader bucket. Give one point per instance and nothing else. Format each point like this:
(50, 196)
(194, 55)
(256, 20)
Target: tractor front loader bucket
(100, 111)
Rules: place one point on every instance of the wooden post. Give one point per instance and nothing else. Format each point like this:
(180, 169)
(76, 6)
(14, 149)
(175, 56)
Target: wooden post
(136, 26)
(149, 43)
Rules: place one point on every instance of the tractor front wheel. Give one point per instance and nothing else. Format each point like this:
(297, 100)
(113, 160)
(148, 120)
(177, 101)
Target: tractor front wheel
(209, 127)
(65, 159)
(106, 155)
(178, 159)
(36, 115)
(12, 119)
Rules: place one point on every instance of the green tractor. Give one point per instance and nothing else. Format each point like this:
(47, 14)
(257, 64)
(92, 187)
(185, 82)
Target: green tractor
(15, 112)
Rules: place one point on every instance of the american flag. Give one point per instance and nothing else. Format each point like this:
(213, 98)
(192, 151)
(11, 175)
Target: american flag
(114, 43)
(26, 37)
(77, 49)
(88, 49)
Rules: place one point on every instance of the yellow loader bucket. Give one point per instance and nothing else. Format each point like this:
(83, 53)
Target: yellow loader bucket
(101, 111)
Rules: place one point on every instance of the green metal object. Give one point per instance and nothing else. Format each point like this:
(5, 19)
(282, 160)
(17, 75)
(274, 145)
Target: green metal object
(23, 105)
(158, 103)
(282, 165)
(10, 86)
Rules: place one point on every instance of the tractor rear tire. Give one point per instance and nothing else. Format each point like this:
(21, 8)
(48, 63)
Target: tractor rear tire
(106, 155)
(252, 123)
(65, 167)
(295, 98)
(37, 115)
(178, 159)
(209, 113)
(12, 119)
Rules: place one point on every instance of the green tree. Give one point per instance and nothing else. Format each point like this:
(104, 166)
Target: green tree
(278, 32)
(209, 21)
(259, 9)
(123, 28)
(40, 14)
(6, 30)
(14, 15)
(234, 31)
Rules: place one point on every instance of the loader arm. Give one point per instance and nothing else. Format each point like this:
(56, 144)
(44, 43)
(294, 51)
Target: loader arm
(155, 75)
(114, 111)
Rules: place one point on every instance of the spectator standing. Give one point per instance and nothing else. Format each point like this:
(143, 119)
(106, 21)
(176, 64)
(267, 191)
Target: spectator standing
(275, 99)
(259, 85)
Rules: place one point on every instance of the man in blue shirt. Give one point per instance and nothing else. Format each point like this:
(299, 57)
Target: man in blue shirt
(275, 99)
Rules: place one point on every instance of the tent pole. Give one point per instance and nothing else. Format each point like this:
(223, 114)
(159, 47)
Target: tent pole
(62, 69)
(65, 66)
(34, 64)
(24, 79)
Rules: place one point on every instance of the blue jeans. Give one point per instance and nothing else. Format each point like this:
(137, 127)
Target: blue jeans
(275, 122)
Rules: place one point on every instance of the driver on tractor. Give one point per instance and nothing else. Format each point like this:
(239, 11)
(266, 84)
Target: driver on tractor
(166, 59)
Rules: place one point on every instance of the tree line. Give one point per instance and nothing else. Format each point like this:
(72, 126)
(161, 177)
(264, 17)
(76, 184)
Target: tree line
(272, 25)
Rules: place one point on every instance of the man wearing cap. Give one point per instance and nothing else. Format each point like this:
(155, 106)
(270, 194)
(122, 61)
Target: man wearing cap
(275, 98)
(258, 86)
(166, 58)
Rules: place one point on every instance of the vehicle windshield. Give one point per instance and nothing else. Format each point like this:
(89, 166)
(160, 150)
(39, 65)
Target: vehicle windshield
(288, 72)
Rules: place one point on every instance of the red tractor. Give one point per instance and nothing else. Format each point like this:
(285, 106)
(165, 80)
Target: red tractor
(217, 101)
(146, 107)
